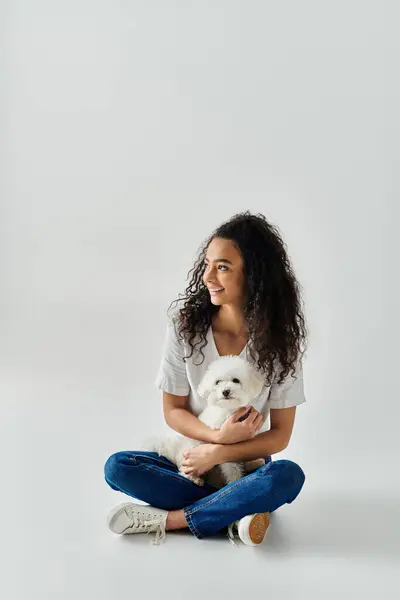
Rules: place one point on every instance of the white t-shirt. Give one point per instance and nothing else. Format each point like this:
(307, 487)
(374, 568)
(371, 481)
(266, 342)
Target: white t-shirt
(182, 378)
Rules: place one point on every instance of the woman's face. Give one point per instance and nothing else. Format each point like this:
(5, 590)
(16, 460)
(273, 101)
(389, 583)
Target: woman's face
(224, 268)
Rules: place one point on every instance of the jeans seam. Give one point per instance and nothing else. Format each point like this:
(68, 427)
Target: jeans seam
(136, 459)
(191, 525)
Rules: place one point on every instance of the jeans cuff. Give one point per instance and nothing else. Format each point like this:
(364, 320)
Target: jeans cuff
(191, 525)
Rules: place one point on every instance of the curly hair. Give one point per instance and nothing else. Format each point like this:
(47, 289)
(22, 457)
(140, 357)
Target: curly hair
(273, 309)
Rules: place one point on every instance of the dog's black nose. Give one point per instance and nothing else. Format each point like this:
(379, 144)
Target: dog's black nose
(226, 393)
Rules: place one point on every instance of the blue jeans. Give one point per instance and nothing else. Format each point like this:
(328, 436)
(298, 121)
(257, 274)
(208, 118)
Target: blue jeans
(154, 479)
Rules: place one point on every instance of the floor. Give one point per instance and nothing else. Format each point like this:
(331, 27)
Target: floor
(329, 543)
(132, 130)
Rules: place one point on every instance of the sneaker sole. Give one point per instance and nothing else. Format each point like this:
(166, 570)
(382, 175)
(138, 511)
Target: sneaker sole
(257, 529)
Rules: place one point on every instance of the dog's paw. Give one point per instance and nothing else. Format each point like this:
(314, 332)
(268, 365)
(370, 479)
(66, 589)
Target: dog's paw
(232, 471)
(197, 480)
(253, 465)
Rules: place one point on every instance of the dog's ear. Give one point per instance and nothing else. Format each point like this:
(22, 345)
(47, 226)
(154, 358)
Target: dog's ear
(206, 385)
(255, 383)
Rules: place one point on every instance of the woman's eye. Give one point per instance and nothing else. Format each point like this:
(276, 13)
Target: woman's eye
(223, 266)
(205, 265)
(235, 380)
(217, 382)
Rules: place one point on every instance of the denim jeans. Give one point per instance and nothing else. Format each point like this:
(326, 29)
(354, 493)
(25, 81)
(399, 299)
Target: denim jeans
(154, 479)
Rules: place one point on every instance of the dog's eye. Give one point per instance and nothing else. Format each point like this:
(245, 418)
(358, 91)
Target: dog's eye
(235, 380)
(217, 382)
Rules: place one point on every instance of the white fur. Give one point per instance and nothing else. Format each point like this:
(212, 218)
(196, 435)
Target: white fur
(217, 379)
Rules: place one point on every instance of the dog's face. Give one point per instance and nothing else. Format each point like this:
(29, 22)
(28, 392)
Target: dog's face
(231, 382)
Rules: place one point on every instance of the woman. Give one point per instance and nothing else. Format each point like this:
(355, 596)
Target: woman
(243, 299)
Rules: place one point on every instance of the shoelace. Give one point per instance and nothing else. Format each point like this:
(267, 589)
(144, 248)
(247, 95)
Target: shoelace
(158, 525)
(155, 525)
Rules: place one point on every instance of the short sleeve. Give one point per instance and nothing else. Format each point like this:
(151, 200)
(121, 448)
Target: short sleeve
(290, 392)
(172, 377)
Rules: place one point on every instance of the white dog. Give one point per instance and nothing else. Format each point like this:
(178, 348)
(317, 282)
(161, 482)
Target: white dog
(230, 383)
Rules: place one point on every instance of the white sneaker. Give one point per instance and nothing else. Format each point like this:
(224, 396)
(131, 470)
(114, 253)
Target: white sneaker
(137, 518)
(250, 529)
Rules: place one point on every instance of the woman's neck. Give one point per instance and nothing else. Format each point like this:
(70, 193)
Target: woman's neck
(230, 320)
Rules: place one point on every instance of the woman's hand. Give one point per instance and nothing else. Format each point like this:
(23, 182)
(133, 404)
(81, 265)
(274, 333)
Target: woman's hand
(234, 430)
(200, 459)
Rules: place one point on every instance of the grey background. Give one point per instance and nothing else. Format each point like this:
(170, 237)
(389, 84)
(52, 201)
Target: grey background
(130, 130)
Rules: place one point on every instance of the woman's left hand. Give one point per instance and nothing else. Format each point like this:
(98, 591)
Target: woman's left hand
(200, 459)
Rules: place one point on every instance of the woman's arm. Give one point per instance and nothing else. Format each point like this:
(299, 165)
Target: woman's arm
(264, 444)
(179, 418)
(201, 459)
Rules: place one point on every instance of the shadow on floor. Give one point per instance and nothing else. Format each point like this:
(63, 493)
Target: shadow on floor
(338, 525)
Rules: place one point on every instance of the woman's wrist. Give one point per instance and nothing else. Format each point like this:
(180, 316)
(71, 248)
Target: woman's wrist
(219, 454)
(216, 436)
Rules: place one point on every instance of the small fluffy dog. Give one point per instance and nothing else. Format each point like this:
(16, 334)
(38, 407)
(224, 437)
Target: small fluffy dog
(230, 383)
